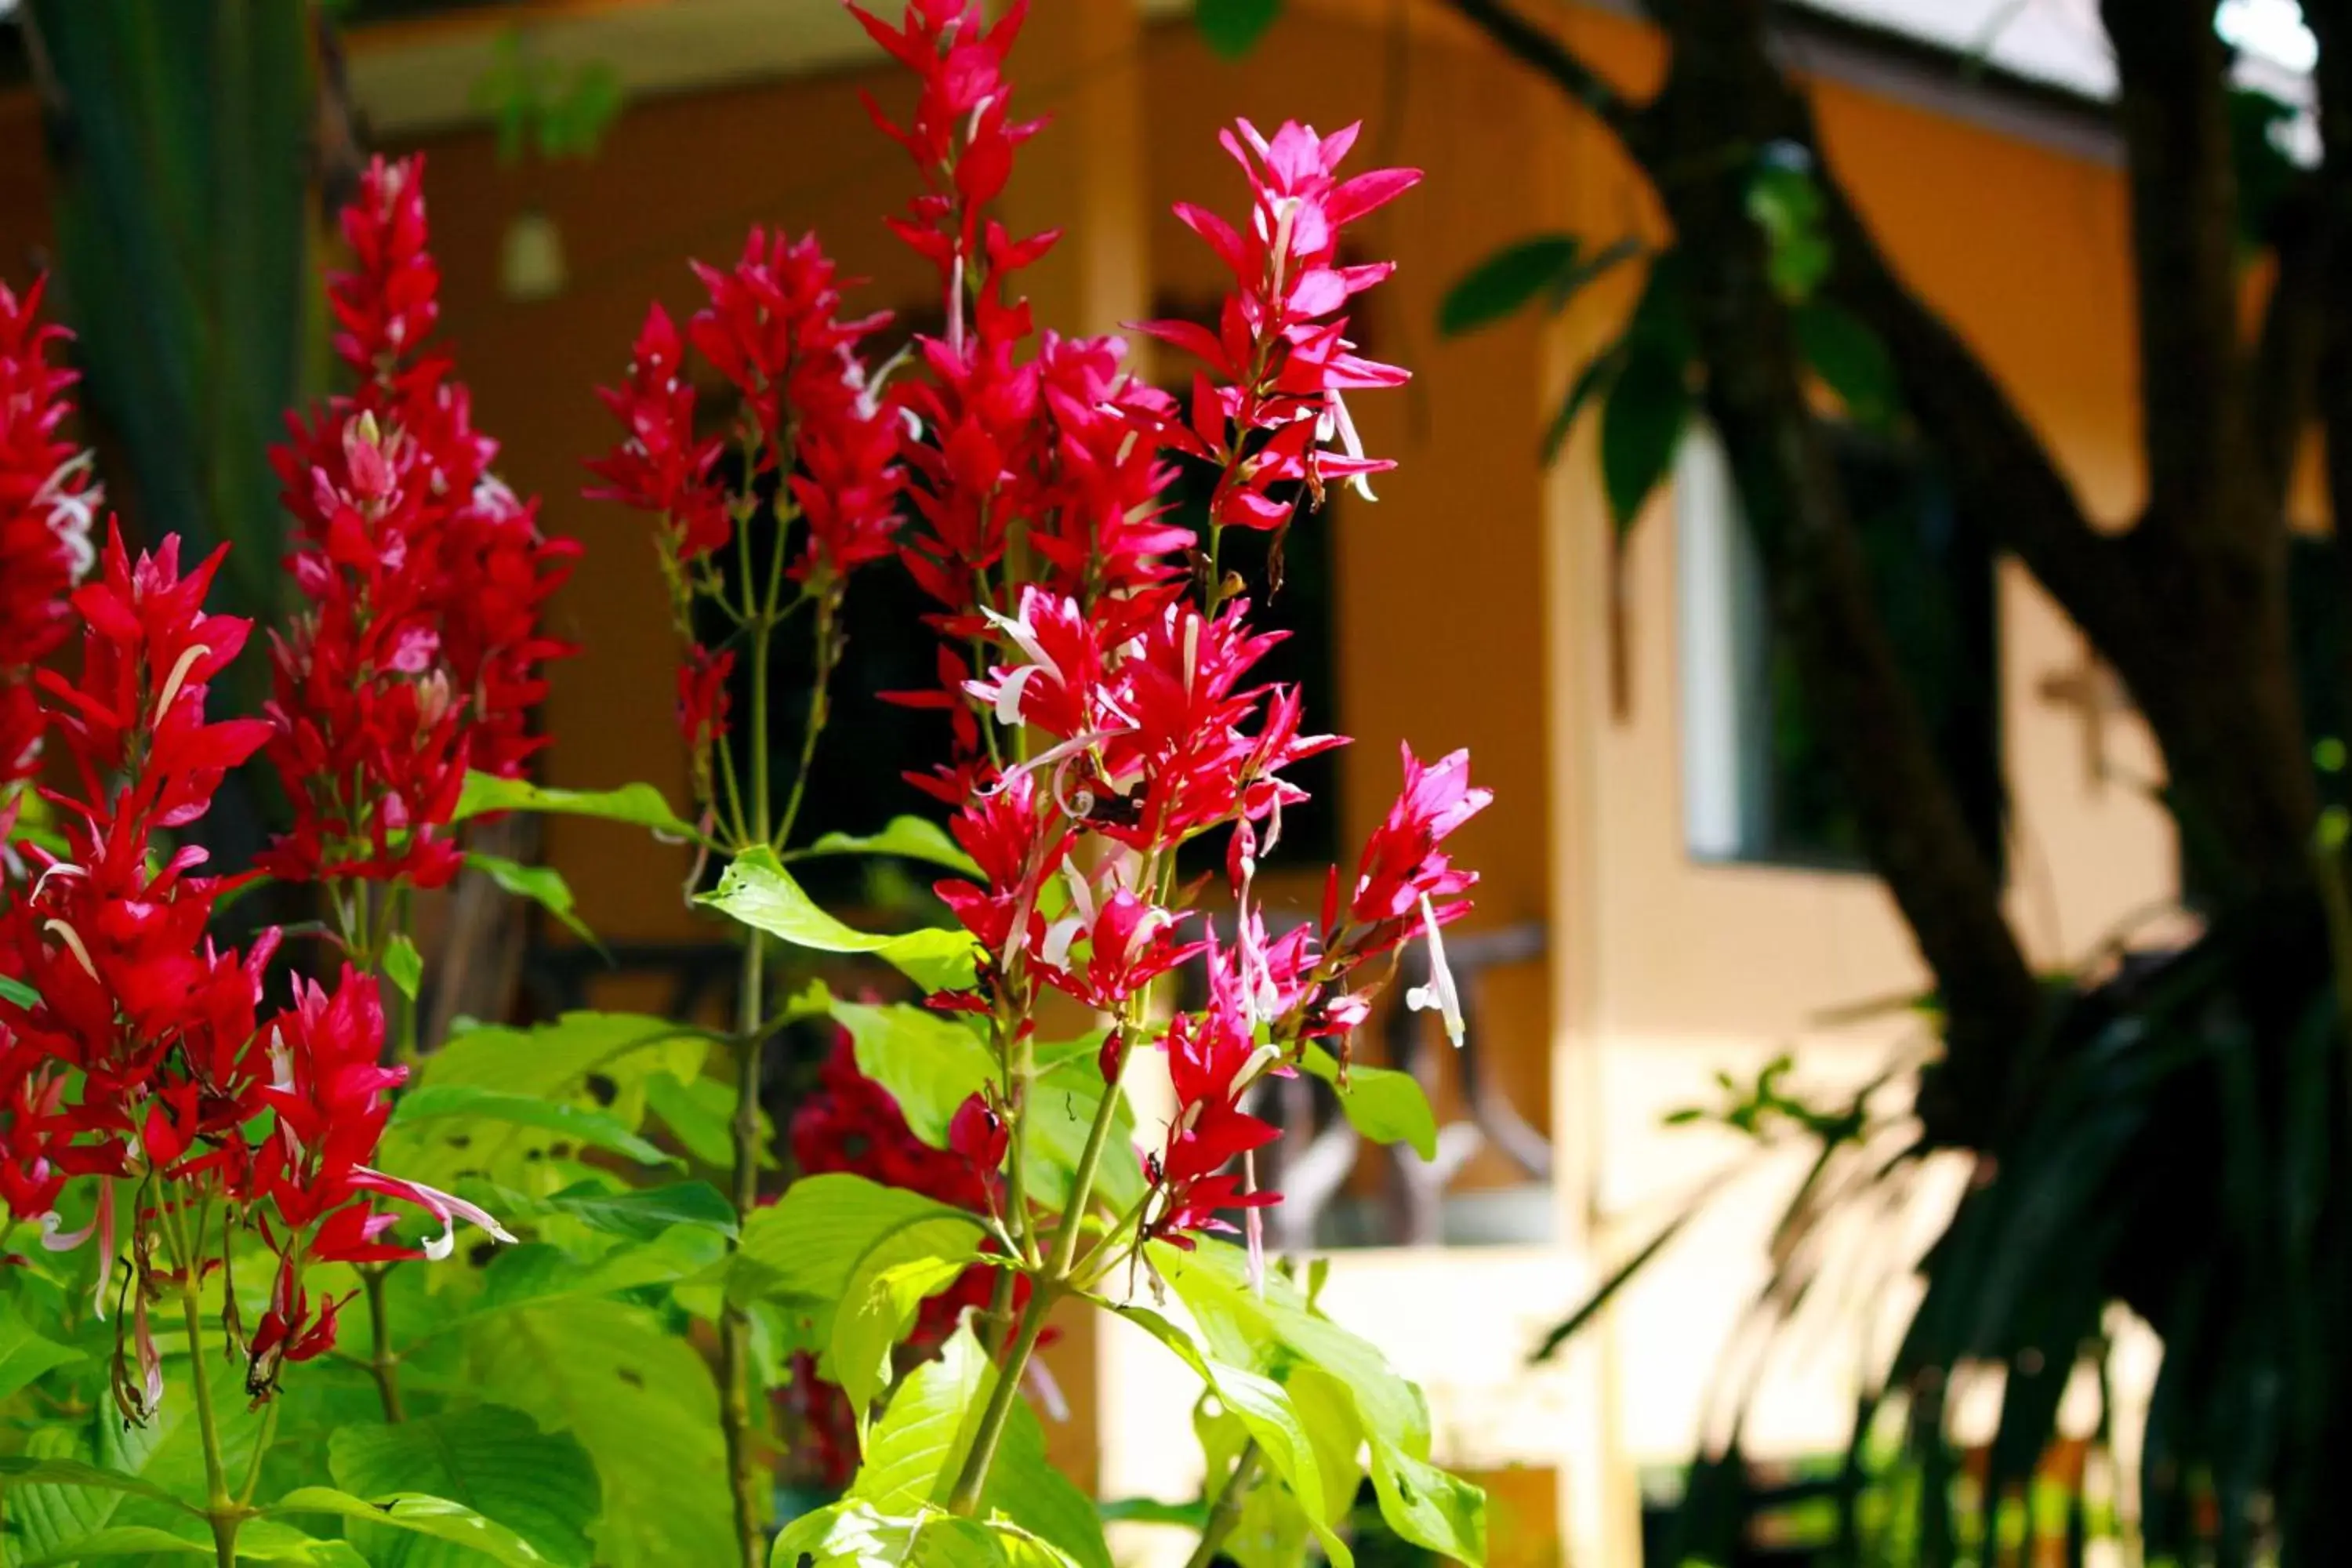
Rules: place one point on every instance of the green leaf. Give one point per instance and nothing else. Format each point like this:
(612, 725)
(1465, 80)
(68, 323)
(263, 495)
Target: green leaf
(912, 837)
(1507, 280)
(884, 1293)
(104, 1475)
(537, 1273)
(1265, 1408)
(1850, 359)
(918, 1447)
(597, 1062)
(1063, 1102)
(1786, 204)
(541, 1486)
(24, 1470)
(122, 1541)
(17, 994)
(1384, 1105)
(855, 1534)
(435, 1516)
(403, 964)
(646, 1215)
(1270, 1330)
(1233, 27)
(1640, 427)
(700, 1114)
(25, 1356)
(639, 804)
(640, 1400)
(930, 1062)
(571, 1123)
(802, 1249)
(757, 891)
(544, 885)
(1429, 1507)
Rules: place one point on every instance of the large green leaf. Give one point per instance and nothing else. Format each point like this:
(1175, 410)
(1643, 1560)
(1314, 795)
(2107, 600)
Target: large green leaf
(599, 1062)
(1384, 1105)
(1507, 280)
(437, 1517)
(930, 1062)
(1428, 1507)
(640, 1400)
(539, 1485)
(1266, 1329)
(912, 837)
(639, 804)
(885, 1292)
(25, 1356)
(121, 1476)
(642, 1216)
(1265, 1410)
(572, 1123)
(918, 1447)
(855, 1534)
(802, 1249)
(757, 891)
(120, 1541)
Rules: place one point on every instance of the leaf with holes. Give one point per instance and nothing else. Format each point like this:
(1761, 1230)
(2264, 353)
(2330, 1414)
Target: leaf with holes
(571, 1124)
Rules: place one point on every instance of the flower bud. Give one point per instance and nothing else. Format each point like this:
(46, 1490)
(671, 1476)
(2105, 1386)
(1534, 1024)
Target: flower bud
(979, 1134)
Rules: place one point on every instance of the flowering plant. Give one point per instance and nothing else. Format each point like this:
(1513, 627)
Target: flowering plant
(242, 1137)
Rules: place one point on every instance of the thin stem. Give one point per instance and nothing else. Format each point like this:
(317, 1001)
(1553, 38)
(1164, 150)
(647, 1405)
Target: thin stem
(972, 1481)
(829, 607)
(382, 1363)
(1082, 1184)
(221, 1510)
(260, 1452)
(736, 1417)
(1226, 1512)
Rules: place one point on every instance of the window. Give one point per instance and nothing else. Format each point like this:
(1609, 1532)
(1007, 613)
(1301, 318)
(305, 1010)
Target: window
(1759, 780)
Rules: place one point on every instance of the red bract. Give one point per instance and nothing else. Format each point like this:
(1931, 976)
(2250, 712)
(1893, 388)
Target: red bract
(1403, 864)
(47, 502)
(420, 652)
(663, 465)
(1211, 1061)
(1279, 352)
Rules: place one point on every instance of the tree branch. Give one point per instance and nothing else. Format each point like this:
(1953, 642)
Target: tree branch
(2172, 105)
(1531, 45)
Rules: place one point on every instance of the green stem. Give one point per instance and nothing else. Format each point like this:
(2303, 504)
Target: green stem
(828, 607)
(972, 1481)
(735, 1324)
(382, 1363)
(1226, 1512)
(222, 1512)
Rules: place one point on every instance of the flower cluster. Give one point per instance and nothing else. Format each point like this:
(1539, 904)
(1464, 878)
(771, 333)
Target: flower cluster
(142, 1057)
(1280, 354)
(419, 652)
(1139, 727)
(851, 1123)
(811, 413)
(47, 502)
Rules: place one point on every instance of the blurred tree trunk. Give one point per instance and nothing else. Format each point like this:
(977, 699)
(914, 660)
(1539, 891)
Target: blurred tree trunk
(2219, 1145)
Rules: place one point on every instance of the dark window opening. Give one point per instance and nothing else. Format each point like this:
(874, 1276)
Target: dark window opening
(1762, 781)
